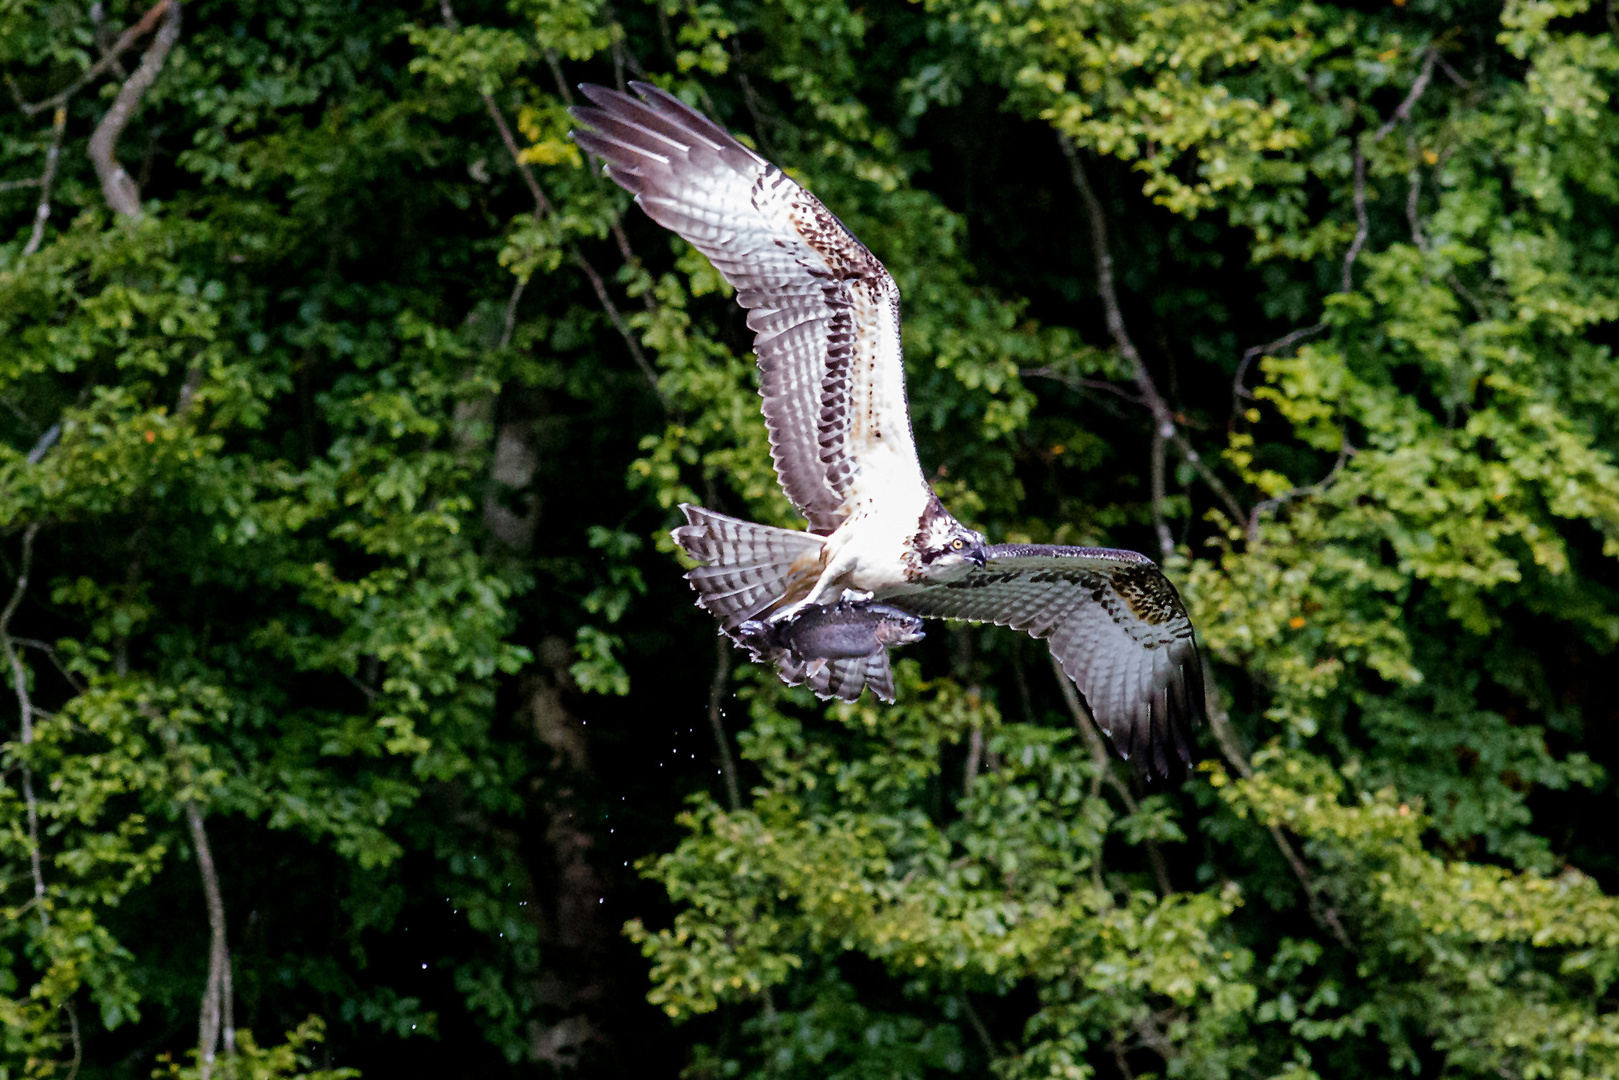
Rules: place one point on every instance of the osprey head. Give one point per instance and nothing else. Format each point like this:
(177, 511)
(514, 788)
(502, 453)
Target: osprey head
(944, 548)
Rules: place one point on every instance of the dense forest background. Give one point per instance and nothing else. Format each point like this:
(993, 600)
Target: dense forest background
(356, 715)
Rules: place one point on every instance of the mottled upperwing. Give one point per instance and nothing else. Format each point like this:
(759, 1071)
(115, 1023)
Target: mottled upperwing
(824, 311)
(1112, 620)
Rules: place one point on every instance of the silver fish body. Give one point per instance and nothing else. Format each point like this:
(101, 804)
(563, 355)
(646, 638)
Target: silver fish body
(842, 631)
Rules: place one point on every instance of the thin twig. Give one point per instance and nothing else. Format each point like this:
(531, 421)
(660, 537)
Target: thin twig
(46, 441)
(25, 712)
(52, 156)
(1413, 190)
(1119, 1061)
(1239, 392)
(78, 1043)
(1104, 770)
(1166, 541)
(1345, 452)
(1164, 424)
(977, 1023)
(716, 720)
(1362, 224)
(614, 225)
(554, 62)
(1403, 112)
(544, 208)
(119, 188)
(1231, 750)
(1077, 383)
(13, 185)
(510, 323)
(110, 57)
(975, 757)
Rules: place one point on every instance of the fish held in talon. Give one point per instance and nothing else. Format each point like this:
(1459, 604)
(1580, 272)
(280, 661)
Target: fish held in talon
(841, 631)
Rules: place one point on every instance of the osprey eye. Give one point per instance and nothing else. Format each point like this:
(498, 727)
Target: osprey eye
(957, 544)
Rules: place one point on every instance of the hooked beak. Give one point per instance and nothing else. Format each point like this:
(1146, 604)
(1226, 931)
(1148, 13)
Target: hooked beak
(978, 557)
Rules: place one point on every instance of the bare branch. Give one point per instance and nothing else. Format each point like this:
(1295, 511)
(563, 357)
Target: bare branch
(554, 62)
(978, 1027)
(1104, 772)
(1105, 288)
(1345, 452)
(25, 712)
(108, 59)
(509, 325)
(1231, 750)
(1119, 1061)
(46, 441)
(1165, 427)
(716, 720)
(52, 157)
(1424, 77)
(78, 1043)
(1362, 225)
(1413, 190)
(1166, 541)
(543, 207)
(1190, 455)
(1078, 383)
(13, 185)
(614, 225)
(975, 757)
(117, 185)
(215, 1016)
(1402, 113)
(1239, 392)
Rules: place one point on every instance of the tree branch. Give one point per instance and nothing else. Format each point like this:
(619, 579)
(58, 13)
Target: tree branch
(1403, 112)
(1325, 916)
(25, 711)
(1104, 769)
(1078, 383)
(1239, 392)
(1424, 77)
(216, 1014)
(108, 59)
(978, 1027)
(1165, 428)
(52, 156)
(542, 208)
(117, 185)
(1345, 452)
(716, 720)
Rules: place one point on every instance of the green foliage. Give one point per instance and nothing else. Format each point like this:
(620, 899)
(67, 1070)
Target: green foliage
(345, 477)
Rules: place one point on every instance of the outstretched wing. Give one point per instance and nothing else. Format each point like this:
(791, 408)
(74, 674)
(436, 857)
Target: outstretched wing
(824, 311)
(1114, 623)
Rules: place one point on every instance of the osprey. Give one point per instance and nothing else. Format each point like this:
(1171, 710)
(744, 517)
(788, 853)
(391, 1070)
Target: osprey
(825, 315)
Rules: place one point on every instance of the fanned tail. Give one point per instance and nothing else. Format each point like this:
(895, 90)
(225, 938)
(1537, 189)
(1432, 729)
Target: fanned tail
(841, 679)
(750, 567)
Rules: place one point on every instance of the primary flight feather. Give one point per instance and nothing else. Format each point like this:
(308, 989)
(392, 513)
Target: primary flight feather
(825, 315)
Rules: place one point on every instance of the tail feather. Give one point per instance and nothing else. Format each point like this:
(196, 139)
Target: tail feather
(751, 567)
(841, 679)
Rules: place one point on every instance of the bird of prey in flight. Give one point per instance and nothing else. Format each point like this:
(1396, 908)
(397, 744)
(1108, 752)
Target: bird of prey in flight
(825, 315)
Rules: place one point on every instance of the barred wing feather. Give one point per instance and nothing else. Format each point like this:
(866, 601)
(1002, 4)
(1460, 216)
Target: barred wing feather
(1112, 620)
(824, 312)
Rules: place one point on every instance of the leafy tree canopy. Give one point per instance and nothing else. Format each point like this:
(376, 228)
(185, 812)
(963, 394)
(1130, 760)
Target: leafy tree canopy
(356, 717)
